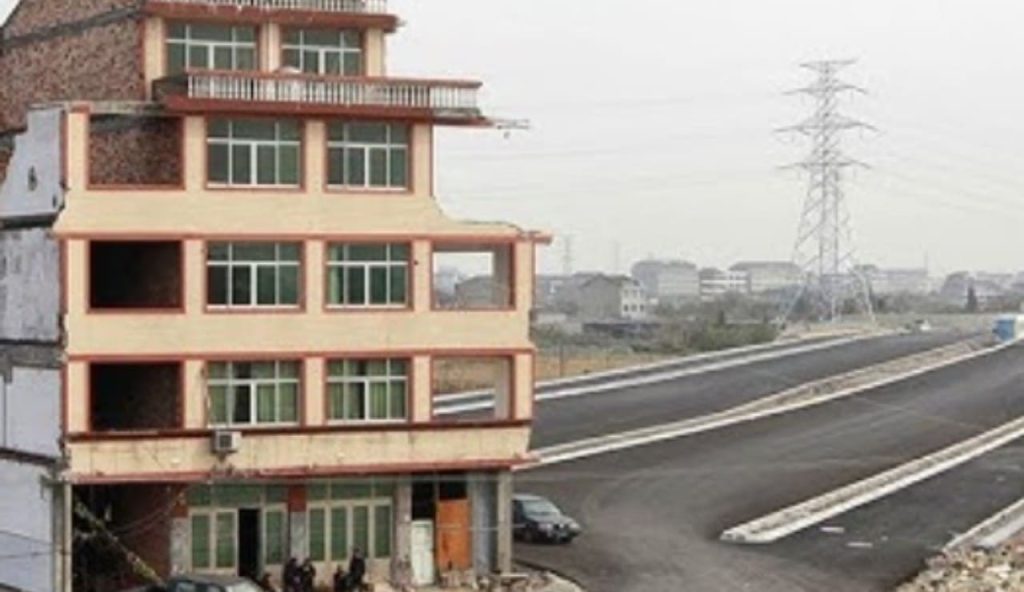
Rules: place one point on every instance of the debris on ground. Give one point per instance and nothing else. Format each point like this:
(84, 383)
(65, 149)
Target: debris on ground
(973, 570)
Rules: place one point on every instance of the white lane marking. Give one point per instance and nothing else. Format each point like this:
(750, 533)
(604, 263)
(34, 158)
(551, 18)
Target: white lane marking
(994, 530)
(747, 412)
(778, 345)
(659, 377)
(787, 521)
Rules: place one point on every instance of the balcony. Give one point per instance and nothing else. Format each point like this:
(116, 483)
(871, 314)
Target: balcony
(356, 13)
(451, 102)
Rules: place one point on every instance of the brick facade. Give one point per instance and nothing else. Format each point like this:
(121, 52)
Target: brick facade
(83, 60)
(136, 151)
(31, 16)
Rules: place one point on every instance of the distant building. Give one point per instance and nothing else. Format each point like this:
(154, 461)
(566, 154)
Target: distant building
(612, 298)
(956, 286)
(896, 281)
(715, 283)
(769, 276)
(668, 281)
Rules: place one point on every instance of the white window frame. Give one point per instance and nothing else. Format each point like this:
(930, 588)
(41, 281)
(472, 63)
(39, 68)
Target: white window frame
(211, 45)
(253, 144)
(322, 51)
(388, 264)
(285, 533)
(371, 504)
(230, 382)
(212, 514)
(367, 381)
(388, 146)
(254, 267)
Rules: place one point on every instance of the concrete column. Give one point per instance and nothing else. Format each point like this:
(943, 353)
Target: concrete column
(504, 521)
(270, 47)
(504, 281)
(503, 388)
(483, 503)
(421, 396)
(180, 545)
(313, 403)
(298, 537)
(422, 276)
(401, 567)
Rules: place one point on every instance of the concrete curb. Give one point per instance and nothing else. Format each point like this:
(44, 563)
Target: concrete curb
(560, 583)
(993, 531)
(611, 385)
(807, 395)
(785, 522)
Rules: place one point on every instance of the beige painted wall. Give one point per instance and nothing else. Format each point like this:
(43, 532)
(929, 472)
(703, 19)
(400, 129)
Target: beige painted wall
(326, 452)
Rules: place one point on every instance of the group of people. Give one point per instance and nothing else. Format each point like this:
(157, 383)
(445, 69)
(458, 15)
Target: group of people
(298, 577)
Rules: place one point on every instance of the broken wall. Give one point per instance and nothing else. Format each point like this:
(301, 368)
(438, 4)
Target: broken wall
(34, 185)
(29, 286)
(29, 534)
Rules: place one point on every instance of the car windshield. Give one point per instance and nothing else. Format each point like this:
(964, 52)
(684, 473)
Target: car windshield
(541, 508)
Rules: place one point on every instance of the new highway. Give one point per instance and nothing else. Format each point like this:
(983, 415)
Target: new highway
(653, 514)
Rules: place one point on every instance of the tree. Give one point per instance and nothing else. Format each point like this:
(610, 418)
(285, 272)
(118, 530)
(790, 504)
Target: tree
(972, 299)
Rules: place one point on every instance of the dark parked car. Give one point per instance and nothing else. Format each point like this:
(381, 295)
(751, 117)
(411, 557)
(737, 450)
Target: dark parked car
(535, 518)
(198, 583)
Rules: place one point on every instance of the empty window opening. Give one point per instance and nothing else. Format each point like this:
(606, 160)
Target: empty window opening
(128, 397)
(490, 375)
(135, 275)
(473, 277)
(135, 151)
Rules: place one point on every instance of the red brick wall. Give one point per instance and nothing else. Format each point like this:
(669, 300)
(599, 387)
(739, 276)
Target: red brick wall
(137, 152)
(82, 61)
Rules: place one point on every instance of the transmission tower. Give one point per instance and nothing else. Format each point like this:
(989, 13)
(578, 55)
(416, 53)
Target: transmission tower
(824, 245)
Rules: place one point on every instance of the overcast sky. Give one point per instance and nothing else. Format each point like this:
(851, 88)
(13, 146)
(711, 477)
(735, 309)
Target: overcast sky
(652, 123)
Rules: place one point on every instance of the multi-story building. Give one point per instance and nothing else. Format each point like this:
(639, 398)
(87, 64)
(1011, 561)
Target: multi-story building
(668, 281)
(608, 298)
(219, 330)
(770, 276)
(715, 283)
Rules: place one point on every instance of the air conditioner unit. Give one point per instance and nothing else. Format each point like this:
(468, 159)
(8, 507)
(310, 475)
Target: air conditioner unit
(226, 442)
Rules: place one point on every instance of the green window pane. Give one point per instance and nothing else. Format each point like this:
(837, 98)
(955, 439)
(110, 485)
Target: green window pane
(370, 133)
(398, 135)
(377, 367)
(335, 401)
(265, 403)
(289, 252)
(245, 34)
(351, 490)
(336, 132)
(254, 129)
(361, 527)
(266, 285)
(200, 542)
(241, 411)
(316, 492)
(241, 286)
(290, 58)
(289, 285)
(352, 38)
(175, 31)
(291, 37)
(382, 532)
(198, 496)
(288, 402)
(266, 165)
(379, 285)
(217, 370)
(353, 64)
(399, 168)
(225, 540)
(332, 63)
(175, 58)
(379, 167)
(355, 401)
(241, 370)
(275, 539)
(289, 369)
(222, 58)
(217, 163)
(398, 398)
(399, 367)
(241, 165)
(317, 534)
(289, 130)
(217, 285)
(254, 252)
(368, 252)
(336, 166)
(379, 400)
(400, 252)
(355, 286)
(198, 57)
(209, 32)
(339, 534)
(289, 165)
(323, 37)
(399, 285)
(311, 62)
(355, 167)
(217, 252)
(245, 58)
(218, 404)
(334, 285)
(265, 370)
(218, 128)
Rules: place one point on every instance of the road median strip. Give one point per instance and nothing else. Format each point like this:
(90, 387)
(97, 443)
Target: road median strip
(780, 524)
(993, 531)
(802, 396)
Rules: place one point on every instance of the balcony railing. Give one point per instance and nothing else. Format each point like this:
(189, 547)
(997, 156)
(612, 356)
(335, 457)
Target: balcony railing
(455, 100)
(339, 6)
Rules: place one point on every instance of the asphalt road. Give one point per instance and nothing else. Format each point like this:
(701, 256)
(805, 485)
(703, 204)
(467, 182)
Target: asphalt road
(567, 420)
(653, 514)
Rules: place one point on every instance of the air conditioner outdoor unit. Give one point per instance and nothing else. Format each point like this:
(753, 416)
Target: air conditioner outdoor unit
(226, 442)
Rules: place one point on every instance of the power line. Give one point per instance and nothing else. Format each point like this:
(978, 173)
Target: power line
(823, 249)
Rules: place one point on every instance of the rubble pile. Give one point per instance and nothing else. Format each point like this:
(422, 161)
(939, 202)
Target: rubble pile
(998, 570)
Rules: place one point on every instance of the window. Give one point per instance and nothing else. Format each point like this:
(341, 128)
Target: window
(253, 274)
(324, 51)
(275, 537)
(213, 540)
(368, 275)
(210, 47)
(254, 152)
(339, 527)
(374, 155)
(367, 390)
(253, 393)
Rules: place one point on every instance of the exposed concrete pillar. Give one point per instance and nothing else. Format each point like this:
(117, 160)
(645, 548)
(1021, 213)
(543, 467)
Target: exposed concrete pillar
(298, 537)
(180, 545)
(503, 388)
(504, 521)
(483, 502)
(504, 281)
(401, 567)
(270, 47)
